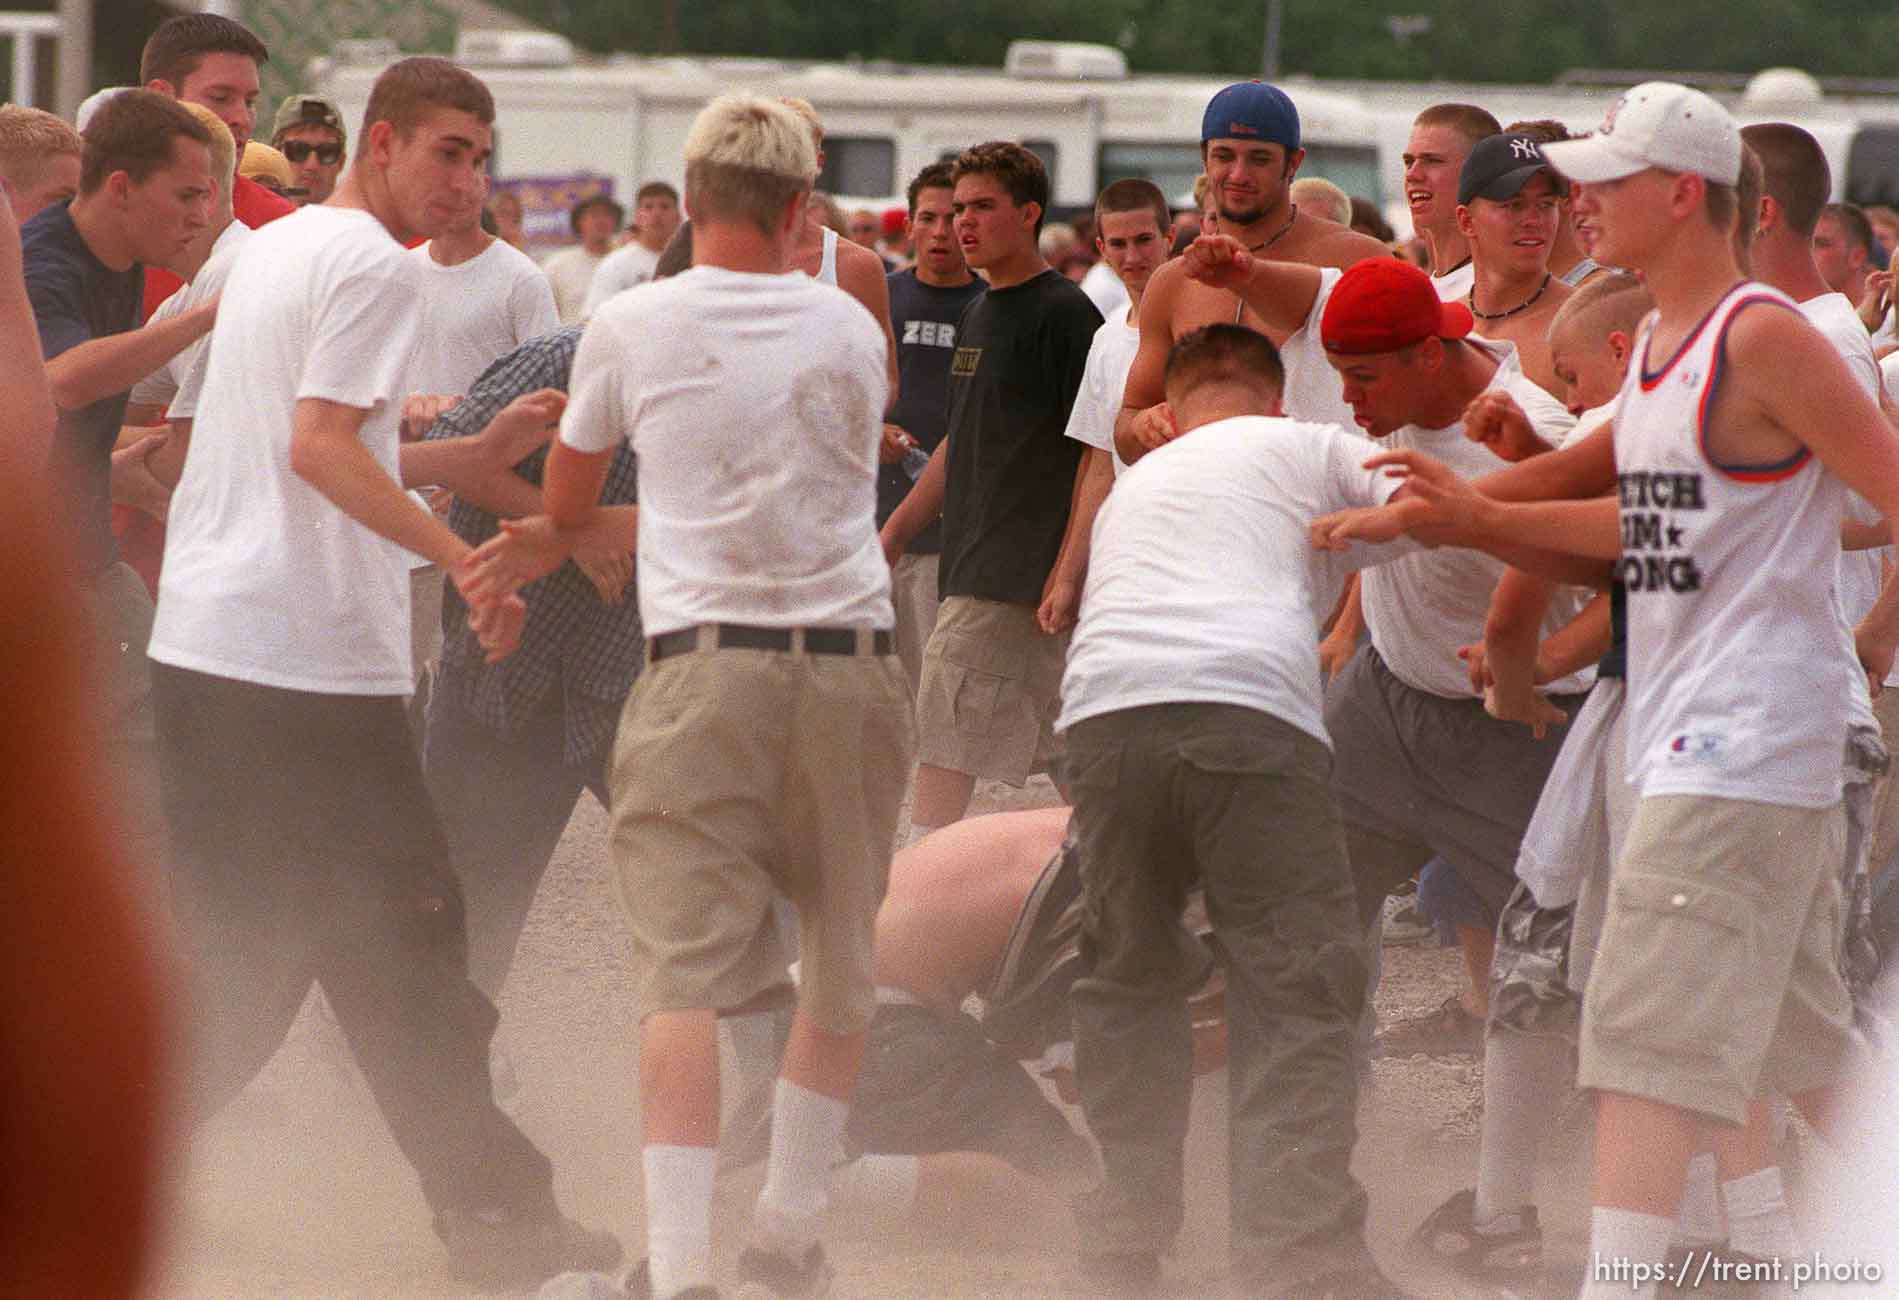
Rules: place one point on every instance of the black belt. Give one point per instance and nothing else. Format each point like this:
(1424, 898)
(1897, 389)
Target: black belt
(741, 636)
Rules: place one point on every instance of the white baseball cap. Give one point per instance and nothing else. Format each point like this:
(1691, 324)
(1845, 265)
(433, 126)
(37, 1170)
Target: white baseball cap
(1657, 124)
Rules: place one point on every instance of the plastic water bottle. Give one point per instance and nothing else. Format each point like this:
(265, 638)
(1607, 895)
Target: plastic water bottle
(914, 462)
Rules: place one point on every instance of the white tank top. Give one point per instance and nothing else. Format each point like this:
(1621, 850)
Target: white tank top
(827, 268)
(1739, 667)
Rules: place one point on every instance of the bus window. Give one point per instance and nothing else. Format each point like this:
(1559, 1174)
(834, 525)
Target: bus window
(1046, 151)
(862, 166)
(1872, 166)
(1175, 167)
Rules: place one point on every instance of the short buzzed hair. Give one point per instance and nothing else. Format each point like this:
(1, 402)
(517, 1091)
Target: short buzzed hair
(1324, 198)
(1853, 224)
(655, 190)
(1019, 172)
(806, 113)
(223, 145)
(746, 158)
(1468, 120)
(410, 89)
(937, 176)
(175, 49)
(1131, 194)
(1543, 130)
(1224, 353)
(133, 132)
(29, 137)
(1794, 172)
(1613, 300)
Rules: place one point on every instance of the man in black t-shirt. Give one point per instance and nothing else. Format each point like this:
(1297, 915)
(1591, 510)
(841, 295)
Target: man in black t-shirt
(145, 191)
(1003, 481)
(927, 301)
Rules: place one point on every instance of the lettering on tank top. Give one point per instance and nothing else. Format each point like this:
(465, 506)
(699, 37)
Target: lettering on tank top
(1654, 557)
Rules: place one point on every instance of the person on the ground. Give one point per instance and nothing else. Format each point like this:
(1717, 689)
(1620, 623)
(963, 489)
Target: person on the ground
(1196, 754)
(1134, 240)
(758, 680)
(1002, 481)
(655, 218)
(927, 301)
(1441, 138)
(308, 131)
(306, 848)
(595, 220)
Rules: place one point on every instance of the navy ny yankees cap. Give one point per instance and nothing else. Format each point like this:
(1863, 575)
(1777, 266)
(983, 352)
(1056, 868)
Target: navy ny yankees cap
(1499, 166)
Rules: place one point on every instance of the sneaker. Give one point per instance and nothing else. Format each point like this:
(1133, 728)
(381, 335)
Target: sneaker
(508, 1250)
(1405, 922)
(1365, 1282)
(1136, 1274)
(1448, 1031)
(1512, 1248)
(764, 1272)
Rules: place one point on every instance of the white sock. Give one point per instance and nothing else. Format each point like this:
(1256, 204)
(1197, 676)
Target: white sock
(883, 1184)
(1699, 1223)
(1759, 1222)
(918, 832)
(1524, 1076)
(807, 1139)
(679, 1216)
(1619, 1240)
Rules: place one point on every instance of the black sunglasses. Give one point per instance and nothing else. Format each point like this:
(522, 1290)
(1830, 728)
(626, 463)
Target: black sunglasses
(327, 154)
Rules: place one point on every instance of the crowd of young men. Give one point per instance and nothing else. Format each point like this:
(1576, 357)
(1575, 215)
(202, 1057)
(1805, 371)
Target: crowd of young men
(810, 525)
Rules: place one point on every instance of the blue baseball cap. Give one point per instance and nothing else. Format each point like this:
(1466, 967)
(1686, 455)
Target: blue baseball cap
(1251, 110)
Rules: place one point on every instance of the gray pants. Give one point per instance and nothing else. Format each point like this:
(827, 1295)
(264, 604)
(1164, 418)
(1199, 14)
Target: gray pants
(1238, 801)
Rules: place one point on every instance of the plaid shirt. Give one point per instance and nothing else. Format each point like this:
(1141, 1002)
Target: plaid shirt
(573, 640)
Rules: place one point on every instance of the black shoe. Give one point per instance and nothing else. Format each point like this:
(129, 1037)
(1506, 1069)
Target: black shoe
(1366, 1282)
(766, 1272)
(1509, 1251)
(1135, 1275)
(509, 1250)
(638, 1285)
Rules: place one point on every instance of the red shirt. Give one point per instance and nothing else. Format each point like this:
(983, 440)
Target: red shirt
(141, 537)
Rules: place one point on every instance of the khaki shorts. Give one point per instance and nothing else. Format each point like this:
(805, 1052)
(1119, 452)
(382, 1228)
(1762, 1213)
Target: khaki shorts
(741, 774)
(1719, 974)
(913, 593)
(992, 686)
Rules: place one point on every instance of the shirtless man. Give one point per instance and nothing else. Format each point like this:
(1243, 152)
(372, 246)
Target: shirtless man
(1249, 141)
(1441, 138)
(1509, 209)
(1571, 263)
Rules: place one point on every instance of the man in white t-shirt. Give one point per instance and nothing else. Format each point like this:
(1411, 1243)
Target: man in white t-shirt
(481, 299)
(655, 218)
(765, 747)
(1197, 754)
(1441, 139)
(1134, 232)
(307, 849)
(595, 220)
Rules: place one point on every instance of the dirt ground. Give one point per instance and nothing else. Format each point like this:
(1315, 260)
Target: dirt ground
(298, 1190)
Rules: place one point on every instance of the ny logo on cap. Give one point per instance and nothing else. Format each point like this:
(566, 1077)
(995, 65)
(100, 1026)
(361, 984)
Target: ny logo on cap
(1525, 149)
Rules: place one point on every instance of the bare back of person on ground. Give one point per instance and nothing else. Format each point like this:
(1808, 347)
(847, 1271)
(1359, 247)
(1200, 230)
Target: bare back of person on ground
(1250, 144)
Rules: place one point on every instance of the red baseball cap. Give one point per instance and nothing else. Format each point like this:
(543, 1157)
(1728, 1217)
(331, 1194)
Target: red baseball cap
(1383, 304)
(893, 220)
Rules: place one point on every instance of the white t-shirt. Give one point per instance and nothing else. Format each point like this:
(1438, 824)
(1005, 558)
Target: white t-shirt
(265, 579)
(1202, 583)
(570, 270)
(476, 312)
(630, 264)
(1105, 290)
(1103, 380)
(1423, 608)
(1455, 284)
(164, 384)
(1313, 389)
(757, 447)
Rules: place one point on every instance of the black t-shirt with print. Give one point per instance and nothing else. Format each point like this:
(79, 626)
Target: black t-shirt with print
(923, 318)
(1020, 354)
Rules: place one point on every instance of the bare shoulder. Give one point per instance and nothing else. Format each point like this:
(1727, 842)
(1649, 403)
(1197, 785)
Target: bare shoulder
(1776, 334)
(858, 269)
(1342, 247)
(1162, 293)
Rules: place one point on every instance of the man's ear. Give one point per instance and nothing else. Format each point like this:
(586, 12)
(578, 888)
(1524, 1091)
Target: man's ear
(1619, 345)
(163, 87)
